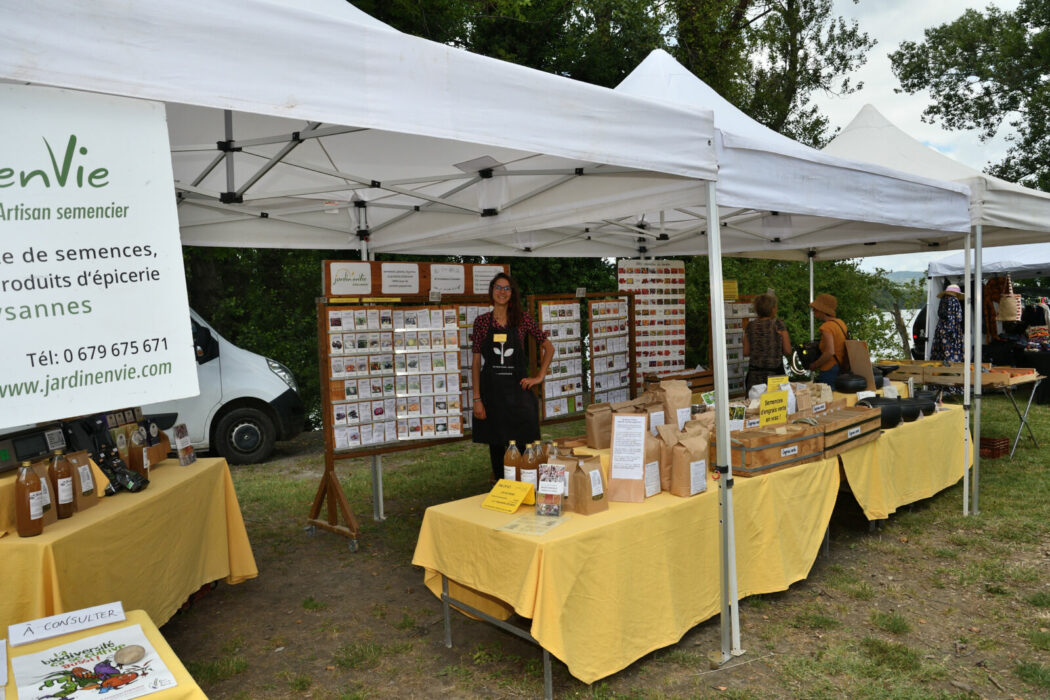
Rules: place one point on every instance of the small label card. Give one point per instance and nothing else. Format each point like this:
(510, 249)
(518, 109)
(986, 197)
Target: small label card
(57, 625)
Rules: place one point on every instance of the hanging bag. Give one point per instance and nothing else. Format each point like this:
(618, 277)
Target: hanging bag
(1010, 305)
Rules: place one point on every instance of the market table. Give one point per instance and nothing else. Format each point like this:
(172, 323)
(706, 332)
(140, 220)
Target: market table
(908, 463)
(1041, 362)
(149, 550)
(603, 590)
(187, 688)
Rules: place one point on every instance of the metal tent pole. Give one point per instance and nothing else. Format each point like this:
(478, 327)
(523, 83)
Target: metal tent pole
(730, 615)
(812, 254)
(967, 351)
(977, 352)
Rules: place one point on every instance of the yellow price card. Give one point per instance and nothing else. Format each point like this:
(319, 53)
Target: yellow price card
(506, 496)
(774, 383)
(730, 290)
(773, 408)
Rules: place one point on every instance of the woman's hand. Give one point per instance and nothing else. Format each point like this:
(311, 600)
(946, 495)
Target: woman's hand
(529, 382)
(479, 409)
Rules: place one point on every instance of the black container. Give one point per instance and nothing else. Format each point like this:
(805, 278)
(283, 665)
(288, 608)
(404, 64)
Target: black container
(850, 383)
(891, 410)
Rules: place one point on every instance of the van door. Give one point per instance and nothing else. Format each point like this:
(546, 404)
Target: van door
(196, 412)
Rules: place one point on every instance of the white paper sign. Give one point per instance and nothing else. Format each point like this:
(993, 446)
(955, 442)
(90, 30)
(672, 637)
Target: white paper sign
(64, 623)
(448, 279)
(348, 278)
(596, 482)
(400, 278)
(697, 476)
(656, 418)
(3, 666)
(483, 274)
(88, 238)
(683, 415)
(628, 446)
(652, 479)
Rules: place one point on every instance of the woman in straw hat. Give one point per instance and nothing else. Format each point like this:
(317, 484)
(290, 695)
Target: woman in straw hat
(833, 335)
(947, 339)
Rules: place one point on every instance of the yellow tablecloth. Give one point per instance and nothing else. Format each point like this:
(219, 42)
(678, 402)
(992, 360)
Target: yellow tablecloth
(851, 398)
(187, 688)
(908, 463)
(606, 589)
(149, 550)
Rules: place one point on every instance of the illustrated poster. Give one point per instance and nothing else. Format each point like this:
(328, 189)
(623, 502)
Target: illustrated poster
(659, 313)
(120, 664)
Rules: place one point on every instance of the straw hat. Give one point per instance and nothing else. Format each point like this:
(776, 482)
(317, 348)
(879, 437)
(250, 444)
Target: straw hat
(825, 303)
(953, 290)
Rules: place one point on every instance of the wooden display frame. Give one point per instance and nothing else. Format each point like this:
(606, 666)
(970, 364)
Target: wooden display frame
(533, 302)
(330, 510)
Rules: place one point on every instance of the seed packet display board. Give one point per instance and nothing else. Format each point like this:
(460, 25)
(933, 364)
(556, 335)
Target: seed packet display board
(610, 351)
(394, 374)
(466, 314)
(659, 313)
(563, 385)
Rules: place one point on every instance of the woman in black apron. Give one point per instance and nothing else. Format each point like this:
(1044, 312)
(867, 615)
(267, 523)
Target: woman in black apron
(505, 408)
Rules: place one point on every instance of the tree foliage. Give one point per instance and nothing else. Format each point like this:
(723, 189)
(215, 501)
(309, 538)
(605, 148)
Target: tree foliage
(984, 70)
(769, 57)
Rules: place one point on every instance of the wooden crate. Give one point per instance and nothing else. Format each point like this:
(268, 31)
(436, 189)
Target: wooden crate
(849, 427)
(953, 374)
(908, 369)
(994, 448)
(755, 451)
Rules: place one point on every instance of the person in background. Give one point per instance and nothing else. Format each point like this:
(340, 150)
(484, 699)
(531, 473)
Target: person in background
(766, 341)
(948, 337)
(505, 408)
(833, 335)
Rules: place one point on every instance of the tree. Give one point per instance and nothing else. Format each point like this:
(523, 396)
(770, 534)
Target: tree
(768, 57)
(983, 70)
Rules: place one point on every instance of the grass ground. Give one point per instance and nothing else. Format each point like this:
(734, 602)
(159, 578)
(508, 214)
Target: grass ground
(933, 604)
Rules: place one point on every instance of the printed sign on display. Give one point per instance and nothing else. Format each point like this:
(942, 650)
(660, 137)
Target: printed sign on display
(89, 242)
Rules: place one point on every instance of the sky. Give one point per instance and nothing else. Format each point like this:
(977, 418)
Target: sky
(890, 22)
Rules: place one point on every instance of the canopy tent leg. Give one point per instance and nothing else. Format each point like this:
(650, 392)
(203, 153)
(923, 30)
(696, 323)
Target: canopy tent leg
(730, 613)
(967, 350)
(812, 254)
(978, 291)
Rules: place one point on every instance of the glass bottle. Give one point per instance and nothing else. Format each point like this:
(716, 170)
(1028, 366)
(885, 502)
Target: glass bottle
(29, 502)
(511, 462)
(60, 474)
(530, 464)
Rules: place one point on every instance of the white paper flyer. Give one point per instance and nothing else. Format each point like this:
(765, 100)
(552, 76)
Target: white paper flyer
(121, 664)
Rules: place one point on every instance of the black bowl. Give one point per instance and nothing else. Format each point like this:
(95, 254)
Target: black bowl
(849, 383)
(886, 369)
(891, 410)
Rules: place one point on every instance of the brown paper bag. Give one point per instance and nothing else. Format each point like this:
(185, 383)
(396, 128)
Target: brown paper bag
(587, 489)
(82, 480)
(677, 400)
(598, 419)
(689, 466)
(803, 399)
(651, 474)
(51, 514)
(703, 423)
(667, 437)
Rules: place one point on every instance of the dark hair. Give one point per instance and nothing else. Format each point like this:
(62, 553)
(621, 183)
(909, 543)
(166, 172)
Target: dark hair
(514, 313)
(765, 305)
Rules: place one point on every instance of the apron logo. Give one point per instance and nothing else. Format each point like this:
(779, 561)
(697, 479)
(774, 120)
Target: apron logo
(503, 353)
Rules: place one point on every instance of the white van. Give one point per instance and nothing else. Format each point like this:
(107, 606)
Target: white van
(247, 401)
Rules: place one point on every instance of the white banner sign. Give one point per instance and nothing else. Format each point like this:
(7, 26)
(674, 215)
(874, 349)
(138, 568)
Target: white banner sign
(93, 308)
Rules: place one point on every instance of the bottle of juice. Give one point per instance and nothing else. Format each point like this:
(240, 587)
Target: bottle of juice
(45, 488)
(60, 474)
(29, 502)
(530, 464)
(511, 462)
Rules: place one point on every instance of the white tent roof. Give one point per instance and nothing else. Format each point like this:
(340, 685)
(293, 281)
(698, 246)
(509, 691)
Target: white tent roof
(1021, 261)
(340, 108)
(1009, 213)
(778, 198)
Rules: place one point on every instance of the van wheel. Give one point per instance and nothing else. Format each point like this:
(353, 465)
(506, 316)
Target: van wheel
(245, 436)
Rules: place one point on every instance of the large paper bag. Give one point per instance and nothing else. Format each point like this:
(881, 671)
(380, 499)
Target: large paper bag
(667, 437)
(677, 399)
(598, 419)
(689, 466)
(587, 489)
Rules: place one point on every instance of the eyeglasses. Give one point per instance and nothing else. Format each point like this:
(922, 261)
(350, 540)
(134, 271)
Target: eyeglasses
(501, 287)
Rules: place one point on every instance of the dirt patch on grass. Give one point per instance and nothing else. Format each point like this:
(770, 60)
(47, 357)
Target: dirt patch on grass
(930, 604)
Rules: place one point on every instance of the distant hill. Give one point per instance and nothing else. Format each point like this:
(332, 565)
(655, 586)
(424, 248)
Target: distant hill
(905, 276)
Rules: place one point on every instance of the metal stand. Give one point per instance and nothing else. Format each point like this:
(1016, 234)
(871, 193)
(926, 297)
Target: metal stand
(377, 488)
(1023, 416)
(446, 600)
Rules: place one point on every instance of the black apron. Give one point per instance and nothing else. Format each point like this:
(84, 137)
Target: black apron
(511, 413)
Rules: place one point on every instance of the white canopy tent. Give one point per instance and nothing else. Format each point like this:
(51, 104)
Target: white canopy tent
(310, 125)
(1001, 213)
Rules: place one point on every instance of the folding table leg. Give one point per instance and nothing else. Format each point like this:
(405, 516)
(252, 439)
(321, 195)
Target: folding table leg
(548, 680)
(1023, 417)
(445, 611)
